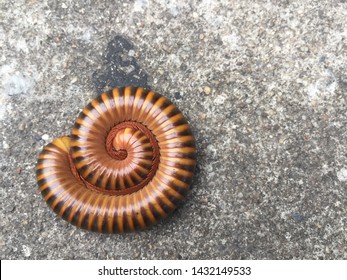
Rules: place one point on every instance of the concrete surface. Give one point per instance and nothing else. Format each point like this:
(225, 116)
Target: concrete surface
(263, 84)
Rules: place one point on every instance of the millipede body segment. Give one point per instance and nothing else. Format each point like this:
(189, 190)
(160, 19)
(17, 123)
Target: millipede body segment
(128, 162)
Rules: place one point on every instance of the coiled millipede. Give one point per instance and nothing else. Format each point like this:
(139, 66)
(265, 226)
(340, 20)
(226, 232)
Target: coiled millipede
(128, 162)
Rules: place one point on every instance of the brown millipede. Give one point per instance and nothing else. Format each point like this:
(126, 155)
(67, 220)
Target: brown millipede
(128, 162)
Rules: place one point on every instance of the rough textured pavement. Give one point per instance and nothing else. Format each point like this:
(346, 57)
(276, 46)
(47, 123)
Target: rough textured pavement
(262, 83)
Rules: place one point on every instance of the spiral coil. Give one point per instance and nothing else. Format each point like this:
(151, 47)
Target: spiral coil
(128, 162)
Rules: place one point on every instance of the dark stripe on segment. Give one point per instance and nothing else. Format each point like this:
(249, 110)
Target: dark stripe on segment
(129, 102)
(128, 181)
(173, 134)
(178, 145)
(121, 215)
(191, 155)
(164, 116)
(173, 126)
(91, 125)
(59, 198)
(186, 167)
(136, 176)
(49, 152)
(180, 187)
(172, 190)
(120, 103)
(103, 178)
(102, 222)
(78, 208)
(46, 186)
(140, 218)
(154, 205)
(156, 107)
(76, 196)
(98, 176)
(116, 108)
(163, 201)
(110, 181)
(107, 222)
(95, 213)
(136, 213)
(90, 110)
(146, 213)
(109, 104)
(49, 174)
(146, 105)
(176, 174)
(88, 212)
(81, 126)
(128, 217)
(103, 107)
(47, 190)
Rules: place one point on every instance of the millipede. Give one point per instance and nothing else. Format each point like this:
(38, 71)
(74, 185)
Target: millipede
(128, 162)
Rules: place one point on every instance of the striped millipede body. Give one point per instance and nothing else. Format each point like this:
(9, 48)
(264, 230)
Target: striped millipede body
(128, 162)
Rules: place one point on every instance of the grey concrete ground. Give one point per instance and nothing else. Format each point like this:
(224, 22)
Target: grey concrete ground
(263, 84)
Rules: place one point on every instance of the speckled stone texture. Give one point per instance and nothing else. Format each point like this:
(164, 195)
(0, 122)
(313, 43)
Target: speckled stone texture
(262, 83)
